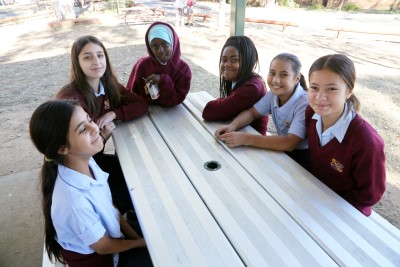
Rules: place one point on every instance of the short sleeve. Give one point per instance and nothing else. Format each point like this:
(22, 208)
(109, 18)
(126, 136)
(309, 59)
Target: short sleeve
(298, 125)
(81, 227)
(90, 228)
(263, 106)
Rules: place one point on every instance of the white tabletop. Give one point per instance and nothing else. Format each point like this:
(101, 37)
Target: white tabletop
(260, 208)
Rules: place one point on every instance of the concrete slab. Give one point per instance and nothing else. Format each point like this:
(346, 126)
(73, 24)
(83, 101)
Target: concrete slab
(21, 221)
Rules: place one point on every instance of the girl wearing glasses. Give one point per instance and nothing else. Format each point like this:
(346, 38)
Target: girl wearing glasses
(240, 86)
(162, 70)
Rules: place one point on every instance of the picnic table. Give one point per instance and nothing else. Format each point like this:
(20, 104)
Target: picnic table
(140, 13)
(200, 203)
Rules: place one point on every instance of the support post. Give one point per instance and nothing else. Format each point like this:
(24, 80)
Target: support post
(221, 14)
(238, 8)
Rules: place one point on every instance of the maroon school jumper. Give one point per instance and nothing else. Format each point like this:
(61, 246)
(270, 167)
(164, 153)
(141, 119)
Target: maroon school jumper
(134, 108)
(355, 168)
(175, 76)
(242, 98)
(75, 259)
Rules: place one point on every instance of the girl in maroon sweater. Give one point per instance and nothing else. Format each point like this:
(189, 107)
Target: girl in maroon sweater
(346, 153)
(163, 68)
(240, 86)
(95, 86)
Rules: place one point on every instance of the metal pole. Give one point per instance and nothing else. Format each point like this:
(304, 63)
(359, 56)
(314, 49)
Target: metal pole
(238, 8)
(221, 14)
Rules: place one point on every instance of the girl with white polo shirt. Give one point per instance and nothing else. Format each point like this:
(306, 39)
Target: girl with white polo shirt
(82, 226)
(286, 102)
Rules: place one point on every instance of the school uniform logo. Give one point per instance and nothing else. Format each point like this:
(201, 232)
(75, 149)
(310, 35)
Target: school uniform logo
(337, 166)
(107, 104)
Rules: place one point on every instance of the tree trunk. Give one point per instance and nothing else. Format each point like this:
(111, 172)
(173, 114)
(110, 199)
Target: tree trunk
(396, 5)
(270, 3)
(341, 4)
(263, 3)
(64, 9)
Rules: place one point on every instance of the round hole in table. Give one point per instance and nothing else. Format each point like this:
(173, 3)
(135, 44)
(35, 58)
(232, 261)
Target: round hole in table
(212, 165)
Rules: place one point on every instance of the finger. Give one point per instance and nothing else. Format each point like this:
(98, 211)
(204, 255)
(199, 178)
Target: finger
(101, 127)
(225, 136)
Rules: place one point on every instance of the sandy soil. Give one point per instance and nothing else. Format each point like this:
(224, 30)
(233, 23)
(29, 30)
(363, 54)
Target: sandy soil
(35, 63)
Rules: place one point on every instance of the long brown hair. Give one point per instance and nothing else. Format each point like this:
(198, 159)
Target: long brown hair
(48, 127)
(342, 66)
(78, 78)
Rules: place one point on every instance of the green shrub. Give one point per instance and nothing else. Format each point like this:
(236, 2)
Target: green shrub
(349, 7)
(317, 7)
(288, 3)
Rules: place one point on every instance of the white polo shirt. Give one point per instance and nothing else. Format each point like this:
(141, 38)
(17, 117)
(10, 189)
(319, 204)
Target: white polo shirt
(82, 210)
(289, 118)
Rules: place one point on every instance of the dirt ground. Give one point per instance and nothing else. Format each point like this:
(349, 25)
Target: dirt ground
(34, 63)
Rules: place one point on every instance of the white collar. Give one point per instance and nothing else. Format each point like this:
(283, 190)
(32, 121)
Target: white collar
(339, 129)
(101, 90)
(81, 181)
(298, 92)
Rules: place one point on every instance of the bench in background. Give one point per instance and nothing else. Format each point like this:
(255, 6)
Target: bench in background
(142, 13)
(276, 22)
(202, 15)
(362, 29)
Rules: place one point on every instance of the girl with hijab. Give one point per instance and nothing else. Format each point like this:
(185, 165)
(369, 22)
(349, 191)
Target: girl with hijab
(162, 69)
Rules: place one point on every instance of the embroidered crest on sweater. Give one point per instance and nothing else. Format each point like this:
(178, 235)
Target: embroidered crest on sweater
(337, 166)
(107, 104)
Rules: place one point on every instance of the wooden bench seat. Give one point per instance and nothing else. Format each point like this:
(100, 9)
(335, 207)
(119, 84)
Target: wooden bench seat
(141, 13)
(276, 22)
(202, 15)
(361, 29)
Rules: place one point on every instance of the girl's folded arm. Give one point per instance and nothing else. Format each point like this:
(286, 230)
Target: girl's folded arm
(287, 142)
(107, 245)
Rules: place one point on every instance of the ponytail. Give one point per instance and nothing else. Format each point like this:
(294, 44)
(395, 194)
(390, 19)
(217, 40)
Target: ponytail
(303, 82)
(48, 128)
(354, 103)
(48, 180)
